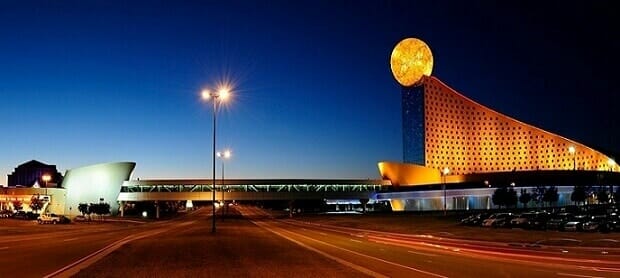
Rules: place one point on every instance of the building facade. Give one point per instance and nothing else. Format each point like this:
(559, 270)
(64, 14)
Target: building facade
(450, 140)
(443, 129)
(30, 173)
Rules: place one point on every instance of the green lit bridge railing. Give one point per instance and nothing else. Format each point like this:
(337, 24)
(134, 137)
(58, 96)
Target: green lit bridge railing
(272, 189)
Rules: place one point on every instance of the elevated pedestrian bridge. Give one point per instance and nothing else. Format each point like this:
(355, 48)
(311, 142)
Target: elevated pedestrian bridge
(246, 190)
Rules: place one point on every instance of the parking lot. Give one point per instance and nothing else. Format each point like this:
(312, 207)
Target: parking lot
(435, 224)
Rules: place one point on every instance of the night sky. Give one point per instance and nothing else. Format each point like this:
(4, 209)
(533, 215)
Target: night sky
(85, 82)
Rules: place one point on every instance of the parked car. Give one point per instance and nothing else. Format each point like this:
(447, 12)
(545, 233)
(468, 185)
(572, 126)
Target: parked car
(576, 223)
(64, 220)
(613, 221)
(504, 222)
(522, 220)
(20, 215)
(475, 219)
(6, 214)
(539, 221)
(558, 221)
(48, 218)
(596, 223)
(497, 220)
(80, 218)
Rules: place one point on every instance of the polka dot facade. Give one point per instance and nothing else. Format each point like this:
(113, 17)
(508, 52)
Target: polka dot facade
(470, 138)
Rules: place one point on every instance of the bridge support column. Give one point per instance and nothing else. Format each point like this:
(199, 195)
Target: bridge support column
(290, 208)
(156, 209)
(122, 208)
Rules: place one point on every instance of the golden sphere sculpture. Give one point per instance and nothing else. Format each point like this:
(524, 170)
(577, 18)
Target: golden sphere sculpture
(411, 60)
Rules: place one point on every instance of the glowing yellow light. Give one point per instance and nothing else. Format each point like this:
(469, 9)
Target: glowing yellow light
(611, 162)
(46, 178)
(224, 93)
(446, 171)
(225, 154)
(411, 60)
(206, 95)
(571, 150)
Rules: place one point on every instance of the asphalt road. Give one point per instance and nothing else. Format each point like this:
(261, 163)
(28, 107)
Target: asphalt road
(238, 249)
(38, 251)
(399, 255)
(253, 242)
(28, 249)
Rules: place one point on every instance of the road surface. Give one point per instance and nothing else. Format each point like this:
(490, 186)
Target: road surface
(253, 242)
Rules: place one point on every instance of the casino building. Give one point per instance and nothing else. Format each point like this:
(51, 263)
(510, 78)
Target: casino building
(451, 140)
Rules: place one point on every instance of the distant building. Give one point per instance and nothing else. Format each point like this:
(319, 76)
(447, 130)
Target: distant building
(31, 173)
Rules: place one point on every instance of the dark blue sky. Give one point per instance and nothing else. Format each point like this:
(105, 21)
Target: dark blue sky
(84, 82)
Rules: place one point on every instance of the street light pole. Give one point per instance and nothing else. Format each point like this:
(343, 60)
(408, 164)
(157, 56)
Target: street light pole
(213, 188)
(46, 178)
(219, 96)
(223, 156)
(223, 191)
(571, 150)
(445, 172)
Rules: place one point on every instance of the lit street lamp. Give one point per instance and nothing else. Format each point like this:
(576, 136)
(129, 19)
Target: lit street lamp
(445, 172)
(46, 178)
(217, 97)
(223, 156)
(571, 150)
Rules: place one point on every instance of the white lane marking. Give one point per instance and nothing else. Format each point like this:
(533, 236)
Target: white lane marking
(368, 256)
(421, 253)
(355, 240)
(92, 258)
(324, 234)
(339, 260)
(69, 239)
(577, 275)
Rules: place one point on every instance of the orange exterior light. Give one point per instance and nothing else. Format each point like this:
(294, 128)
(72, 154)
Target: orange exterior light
(46, 178)
(446, 171)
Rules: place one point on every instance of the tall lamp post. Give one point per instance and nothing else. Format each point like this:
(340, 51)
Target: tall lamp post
(217, 97)
(444, 173)
(571, 150)
(46, 178)
(223, 156)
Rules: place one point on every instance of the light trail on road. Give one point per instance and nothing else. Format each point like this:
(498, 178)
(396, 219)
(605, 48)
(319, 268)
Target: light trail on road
(451, 258)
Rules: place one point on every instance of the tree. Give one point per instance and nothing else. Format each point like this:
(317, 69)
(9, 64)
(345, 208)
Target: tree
(511, 197)
(17, 204)
(83, 208)
(550, 195)
(499, 196)
(539, 193)
(100, 209)
(579, 195)
(525, 197)
(602, 196)
(36, 203)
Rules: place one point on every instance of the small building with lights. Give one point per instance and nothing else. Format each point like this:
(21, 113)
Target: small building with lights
(31, 174)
